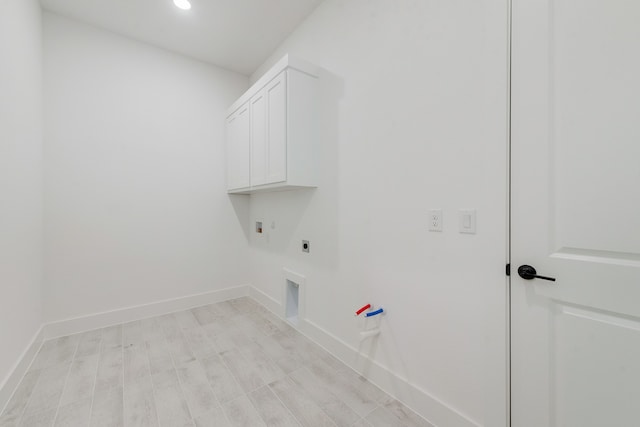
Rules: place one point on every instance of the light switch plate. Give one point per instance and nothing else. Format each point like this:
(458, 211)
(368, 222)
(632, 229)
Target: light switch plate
(467, 218)
(434, 220)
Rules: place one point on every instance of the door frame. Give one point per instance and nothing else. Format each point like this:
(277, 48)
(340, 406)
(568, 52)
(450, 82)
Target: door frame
(509, 201)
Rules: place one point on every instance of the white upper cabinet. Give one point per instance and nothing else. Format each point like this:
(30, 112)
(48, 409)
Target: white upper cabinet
(238, 149)
(276, 95)
(258, 139)
(272, 131)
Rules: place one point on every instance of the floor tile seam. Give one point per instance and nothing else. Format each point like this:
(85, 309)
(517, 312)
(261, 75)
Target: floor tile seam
(121, 327)
(170, 313)
(26, 405)
(27, 371)
(324, 387)
(95, 382)
(77, 345)
(220, 403)
(283, 405)
(378, 406)
(235, 377)
(232, 377)
(290, 333)
(207, 339)
(292, 353)
(244, 353)
(66, 380)
(334, 394)
(214, 394)
(245, 395)
(237, 326)
(304, 392)
(266, 321)
(175, 369)
(197, 360)
(251, 322)
(354, 371)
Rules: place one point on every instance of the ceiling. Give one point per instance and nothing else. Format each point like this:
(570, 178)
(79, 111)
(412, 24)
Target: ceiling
(235, 34)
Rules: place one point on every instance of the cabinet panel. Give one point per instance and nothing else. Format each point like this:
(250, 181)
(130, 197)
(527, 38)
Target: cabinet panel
(276, 94)
(238, 149)
(259, 145)
(272, 131)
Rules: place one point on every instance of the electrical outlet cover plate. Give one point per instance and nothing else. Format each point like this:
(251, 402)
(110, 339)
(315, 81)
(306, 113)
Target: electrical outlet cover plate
(467, 221)
(434, 220)
(305, 246)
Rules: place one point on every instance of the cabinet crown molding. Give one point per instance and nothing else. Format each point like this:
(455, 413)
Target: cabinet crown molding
(287, 62)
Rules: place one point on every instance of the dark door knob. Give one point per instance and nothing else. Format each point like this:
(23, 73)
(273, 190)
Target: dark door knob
(527, 273)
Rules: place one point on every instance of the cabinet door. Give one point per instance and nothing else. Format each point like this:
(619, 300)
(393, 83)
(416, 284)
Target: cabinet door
(258, 139)
(276, 98)
(238, 146)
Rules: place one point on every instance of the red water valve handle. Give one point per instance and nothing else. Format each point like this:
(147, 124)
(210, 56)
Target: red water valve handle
(363, 308)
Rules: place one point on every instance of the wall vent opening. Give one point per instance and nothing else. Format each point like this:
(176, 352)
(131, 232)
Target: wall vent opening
(293, 302)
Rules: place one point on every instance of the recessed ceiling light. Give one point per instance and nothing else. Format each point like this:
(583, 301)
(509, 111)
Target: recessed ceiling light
(182, 4)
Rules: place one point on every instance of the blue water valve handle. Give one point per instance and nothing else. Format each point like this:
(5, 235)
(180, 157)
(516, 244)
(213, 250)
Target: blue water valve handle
(374, 313)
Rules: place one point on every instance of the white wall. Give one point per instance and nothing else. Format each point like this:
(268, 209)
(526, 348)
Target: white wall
(420, 122)
(136, 209)
(20, 179)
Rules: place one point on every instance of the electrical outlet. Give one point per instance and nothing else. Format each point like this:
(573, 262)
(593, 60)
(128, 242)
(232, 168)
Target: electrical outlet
(305, 246)
(435, 220)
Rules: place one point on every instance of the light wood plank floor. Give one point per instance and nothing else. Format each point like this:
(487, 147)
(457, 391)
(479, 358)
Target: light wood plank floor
(226, 364)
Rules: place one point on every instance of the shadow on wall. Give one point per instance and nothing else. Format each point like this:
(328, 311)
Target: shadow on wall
(240, 205)
(288, 217)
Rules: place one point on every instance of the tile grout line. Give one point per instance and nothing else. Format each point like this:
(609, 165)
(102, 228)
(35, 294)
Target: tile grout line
(26, 405)
(218, 353)
(153, 389)
(329, 391)
(377, 404)
(283, 405)
(267, 384)
(292, 333)
(175, 369)
(95, 379)
(33, 359)
(199, 362)
(224, 413)
(245, 394)
(66, 380)
(122, 356)
(230, 318)
(214, 395)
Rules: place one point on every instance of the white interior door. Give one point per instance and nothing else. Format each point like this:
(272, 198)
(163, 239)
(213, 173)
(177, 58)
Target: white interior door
(576, 213)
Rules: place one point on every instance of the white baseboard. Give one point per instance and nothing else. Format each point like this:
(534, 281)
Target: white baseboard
(10, 383)
(108, 318)
(422, 402)
(267, 301)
